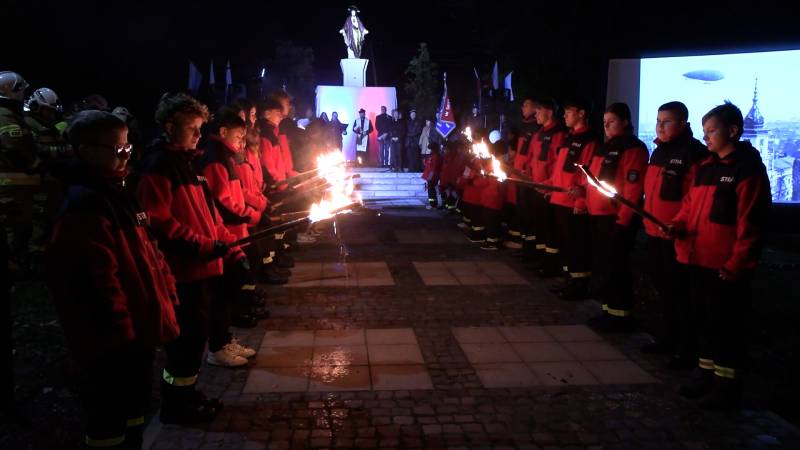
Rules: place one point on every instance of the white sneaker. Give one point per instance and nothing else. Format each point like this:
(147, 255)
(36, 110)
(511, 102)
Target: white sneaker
(512, 244)
(224, 358)
(306, 239)
(238, 349)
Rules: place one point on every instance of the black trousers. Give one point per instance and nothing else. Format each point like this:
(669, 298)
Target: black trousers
(541, 220)
(677, 330)
(396, 155)
(612, 245)
(115, 391)
(432, 199)
(491, 219)
(185, 354)
(525, 216)
(554, 223)
(574, 241)
(412, 158)
(6, 334)
(720, 308)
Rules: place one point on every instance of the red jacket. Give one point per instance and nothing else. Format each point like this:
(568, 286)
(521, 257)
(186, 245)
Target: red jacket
(248, 168)
(182, 214)
(433, 168)
(219, 167)
(110, 282)
(447, 176)
(669, 176)
(490, 189)
(620, 162)
(725, 212)
(276, 158)
(544, 149)
(577, 148)
(523, 152)
(470, 194)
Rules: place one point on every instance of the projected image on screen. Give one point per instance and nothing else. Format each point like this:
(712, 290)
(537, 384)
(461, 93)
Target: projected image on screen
(763, 85)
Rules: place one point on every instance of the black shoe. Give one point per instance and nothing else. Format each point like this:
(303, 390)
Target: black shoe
(575, 290)
(657, 348)
(517, 253)
(700, 386)
(557, 287)
(547, 272)
(681, 362)
(260, 312)
(726, 395)
(270, 275)
(281, 271)
(490, 247)
(244, 320)
(186, 406)
(284, 261)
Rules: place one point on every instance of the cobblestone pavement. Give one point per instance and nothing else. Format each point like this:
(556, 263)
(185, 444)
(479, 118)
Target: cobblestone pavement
(459, 412)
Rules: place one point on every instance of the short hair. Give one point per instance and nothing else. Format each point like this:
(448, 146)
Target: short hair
(729, 114)
(85, 126)
(546, 102)
(172, 104)
(227, 117)
(581, 104)
(269, 104)
(677, 108)
(622, 111)
(279, 95)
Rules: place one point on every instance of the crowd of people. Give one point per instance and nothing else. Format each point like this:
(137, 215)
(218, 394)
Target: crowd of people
(141, 241)
(710, 204)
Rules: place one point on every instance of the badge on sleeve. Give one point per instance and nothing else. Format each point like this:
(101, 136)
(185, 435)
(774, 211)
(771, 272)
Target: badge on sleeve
(633, 176)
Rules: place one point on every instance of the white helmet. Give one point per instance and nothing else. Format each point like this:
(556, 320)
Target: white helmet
(12, 85)
(43, 98)
(495, 136)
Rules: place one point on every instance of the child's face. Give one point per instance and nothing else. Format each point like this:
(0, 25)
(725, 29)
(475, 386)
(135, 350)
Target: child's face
(668, 126)
(543, 115)
(573, 117)
(234, 137)
(184, 130)
(527, 108)
(613, 126)
(717, 135)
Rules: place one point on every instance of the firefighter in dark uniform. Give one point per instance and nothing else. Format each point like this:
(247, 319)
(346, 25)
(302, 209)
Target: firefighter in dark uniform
(719, 235)
(621, 162)
(518, 197)
(18, 182)
(571, 242)
(43, 116)
(669, 176)
(113, 290)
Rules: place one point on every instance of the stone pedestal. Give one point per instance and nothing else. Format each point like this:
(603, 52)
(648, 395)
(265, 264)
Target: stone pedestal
(354, 72)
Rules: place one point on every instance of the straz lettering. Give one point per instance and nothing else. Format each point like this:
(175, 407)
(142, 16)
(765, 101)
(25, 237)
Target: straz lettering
(576, 145)
(726, 180)
(676, 161)
(141, 218)
(202, 179)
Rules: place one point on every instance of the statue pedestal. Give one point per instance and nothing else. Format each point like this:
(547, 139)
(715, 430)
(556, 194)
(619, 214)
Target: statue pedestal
(354, 72)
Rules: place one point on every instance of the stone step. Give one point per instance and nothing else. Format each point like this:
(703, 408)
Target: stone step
(392, 194)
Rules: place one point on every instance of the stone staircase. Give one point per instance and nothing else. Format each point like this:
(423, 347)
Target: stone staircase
(379, 185)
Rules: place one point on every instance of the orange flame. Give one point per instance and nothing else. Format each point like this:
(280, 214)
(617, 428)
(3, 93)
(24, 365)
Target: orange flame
(340, 194)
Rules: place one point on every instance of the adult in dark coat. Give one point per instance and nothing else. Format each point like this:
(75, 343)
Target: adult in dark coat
(337, 130)
(397, 135)
(383, 123)
(413, 132)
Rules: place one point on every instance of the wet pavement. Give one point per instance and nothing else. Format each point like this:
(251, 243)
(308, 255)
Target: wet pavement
(399, 333)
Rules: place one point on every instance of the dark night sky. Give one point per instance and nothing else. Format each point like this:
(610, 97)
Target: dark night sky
(131, 52)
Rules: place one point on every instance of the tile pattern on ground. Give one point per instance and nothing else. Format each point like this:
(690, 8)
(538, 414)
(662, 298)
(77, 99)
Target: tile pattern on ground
(350, 274)
(509, 357)
(338, 360)
(423, 236)
(467, 273)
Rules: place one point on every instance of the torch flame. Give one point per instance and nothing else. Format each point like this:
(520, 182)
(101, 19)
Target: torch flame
(603, 187)
(340, 194)
(497, 170)
(468, 133)
(481, 150)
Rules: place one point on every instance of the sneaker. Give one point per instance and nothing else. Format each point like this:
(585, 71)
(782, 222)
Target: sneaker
(284, 261)
(490, 247)
(476, 240)
(306, 239)
(234, 347)
(512, 244)
(429, 207)
(270, 276)
(224, 358)
(462, 225)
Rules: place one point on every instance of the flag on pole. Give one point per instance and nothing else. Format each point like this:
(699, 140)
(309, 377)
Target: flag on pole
(195, 79)
(445, 121)
(211, 77)
(508, 87)
(228, 82)
(495, 77)
(477, 86)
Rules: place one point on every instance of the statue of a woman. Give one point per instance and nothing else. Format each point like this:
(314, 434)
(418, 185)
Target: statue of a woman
(353, 33)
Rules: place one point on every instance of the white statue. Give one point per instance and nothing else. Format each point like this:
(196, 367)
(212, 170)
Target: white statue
(353, 33)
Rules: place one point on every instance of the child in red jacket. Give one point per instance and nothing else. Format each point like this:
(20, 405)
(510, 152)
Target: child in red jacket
(491, 195)
(719, 234)
(432, 174)
(621, 162)
(114, 292)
